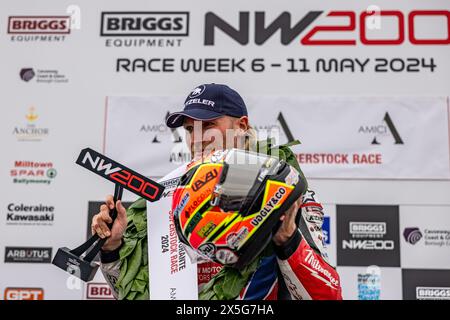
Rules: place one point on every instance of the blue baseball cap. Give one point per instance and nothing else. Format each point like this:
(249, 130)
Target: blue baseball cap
(208, 102)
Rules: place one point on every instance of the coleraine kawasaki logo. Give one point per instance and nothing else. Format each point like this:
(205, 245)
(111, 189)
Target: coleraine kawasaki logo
(23, 214)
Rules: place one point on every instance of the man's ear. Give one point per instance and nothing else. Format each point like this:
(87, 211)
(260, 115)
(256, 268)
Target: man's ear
(243, 123)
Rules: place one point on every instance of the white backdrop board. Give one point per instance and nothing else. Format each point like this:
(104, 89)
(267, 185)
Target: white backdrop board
(62, 72)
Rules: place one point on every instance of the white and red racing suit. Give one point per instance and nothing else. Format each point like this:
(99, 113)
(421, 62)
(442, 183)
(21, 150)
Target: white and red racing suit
(297, 270)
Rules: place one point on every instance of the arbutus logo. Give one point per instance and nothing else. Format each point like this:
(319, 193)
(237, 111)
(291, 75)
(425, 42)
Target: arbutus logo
(119, 174)
(28, 255)
(24, 294)
(264, 30)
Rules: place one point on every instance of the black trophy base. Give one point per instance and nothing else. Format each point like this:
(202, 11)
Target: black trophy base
(75, 265)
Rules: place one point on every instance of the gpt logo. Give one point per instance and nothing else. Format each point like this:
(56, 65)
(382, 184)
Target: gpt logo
(326, 230)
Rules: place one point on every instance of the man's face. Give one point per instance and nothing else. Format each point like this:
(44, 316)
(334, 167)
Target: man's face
(204, 137)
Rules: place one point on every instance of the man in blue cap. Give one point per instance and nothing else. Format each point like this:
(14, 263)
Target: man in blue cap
(293, 266)
(217, 111)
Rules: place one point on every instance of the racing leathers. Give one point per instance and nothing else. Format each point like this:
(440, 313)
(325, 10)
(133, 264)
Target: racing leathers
(299, 269)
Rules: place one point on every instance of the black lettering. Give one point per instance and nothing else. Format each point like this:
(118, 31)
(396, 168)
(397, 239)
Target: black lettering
(240, 35)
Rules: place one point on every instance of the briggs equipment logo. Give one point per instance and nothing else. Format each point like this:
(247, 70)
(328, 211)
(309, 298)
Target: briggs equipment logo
(38, 28)
(98, 291)
(426, 284)
(432, 293)
(368, 235)
(28, 255)
(144, 24)
(24, 294)
(365, 231)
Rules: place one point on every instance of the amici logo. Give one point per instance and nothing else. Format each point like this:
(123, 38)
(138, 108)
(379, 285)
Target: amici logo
(381, 130)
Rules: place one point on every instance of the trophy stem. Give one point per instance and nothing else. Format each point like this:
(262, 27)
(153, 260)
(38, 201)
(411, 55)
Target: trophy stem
(71, 260)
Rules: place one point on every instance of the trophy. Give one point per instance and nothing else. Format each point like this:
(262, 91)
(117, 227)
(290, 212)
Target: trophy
(79, 261)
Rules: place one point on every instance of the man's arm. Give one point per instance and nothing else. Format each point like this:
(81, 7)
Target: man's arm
(109, 255)
(302, 258)
(110, 267)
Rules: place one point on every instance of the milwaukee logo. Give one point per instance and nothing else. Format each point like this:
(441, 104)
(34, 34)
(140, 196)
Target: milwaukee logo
(315, 264)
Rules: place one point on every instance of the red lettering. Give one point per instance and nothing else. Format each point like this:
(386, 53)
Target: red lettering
(306, 40)
(125, 175)
(411, 29)
(401, 28)
(105, 291)
(367, 158)
(139, 180)
(151, 188)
